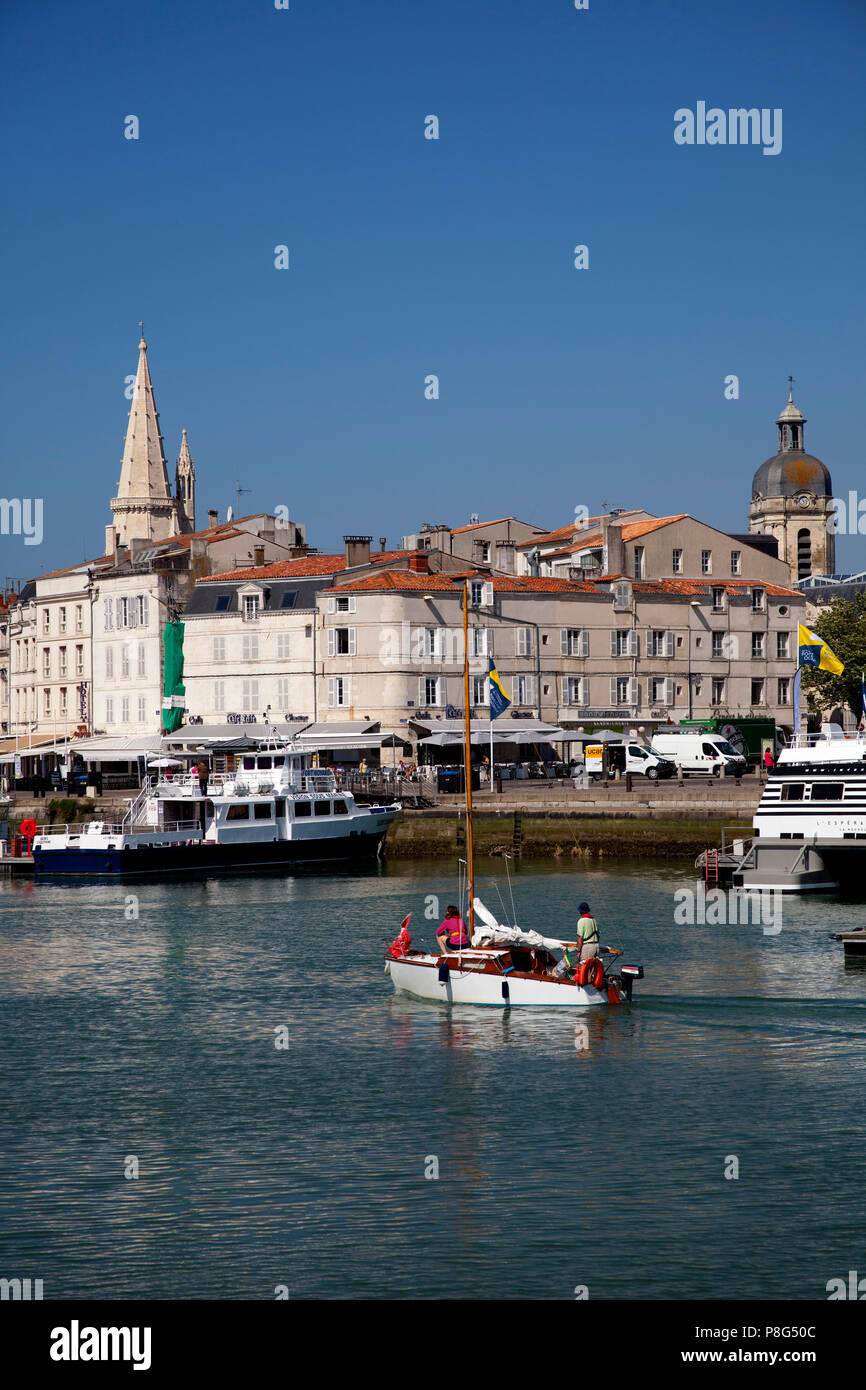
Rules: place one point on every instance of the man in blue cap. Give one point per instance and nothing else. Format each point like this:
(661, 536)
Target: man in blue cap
(587, 934)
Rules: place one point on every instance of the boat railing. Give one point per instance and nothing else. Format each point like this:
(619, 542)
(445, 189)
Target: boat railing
(78, 828)
(831, 740)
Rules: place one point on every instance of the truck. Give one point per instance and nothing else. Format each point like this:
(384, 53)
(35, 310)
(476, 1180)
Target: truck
(626, 755)
(749, 735)
(701, 752)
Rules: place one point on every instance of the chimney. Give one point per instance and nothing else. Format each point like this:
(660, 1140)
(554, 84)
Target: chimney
(213, 518)
(110, 540)
(258, 556)
(613, 552)
(505, 556)
(357, 550)
(383, 541)
(419, 562)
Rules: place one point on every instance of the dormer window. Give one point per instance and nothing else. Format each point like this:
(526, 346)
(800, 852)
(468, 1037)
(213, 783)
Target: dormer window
(251, 607)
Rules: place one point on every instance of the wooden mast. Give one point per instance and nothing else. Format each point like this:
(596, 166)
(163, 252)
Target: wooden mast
(467, 760)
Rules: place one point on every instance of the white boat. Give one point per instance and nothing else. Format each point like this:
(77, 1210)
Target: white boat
(503, 965)
(274, 809)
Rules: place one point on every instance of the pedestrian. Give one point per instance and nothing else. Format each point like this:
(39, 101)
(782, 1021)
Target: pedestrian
(587, 934)
(203, 771)
(769, 760)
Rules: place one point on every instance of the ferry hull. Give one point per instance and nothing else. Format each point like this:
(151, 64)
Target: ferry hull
(203, 857)
(473, 987)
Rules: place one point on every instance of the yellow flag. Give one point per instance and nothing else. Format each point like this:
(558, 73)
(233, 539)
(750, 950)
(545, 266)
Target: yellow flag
(815, 652)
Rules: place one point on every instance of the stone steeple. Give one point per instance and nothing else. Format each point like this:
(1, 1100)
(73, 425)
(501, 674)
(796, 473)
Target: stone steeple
(184, 487)
(144, 507)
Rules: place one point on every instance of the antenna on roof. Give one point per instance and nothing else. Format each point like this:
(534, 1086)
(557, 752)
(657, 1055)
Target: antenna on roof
(238, 491)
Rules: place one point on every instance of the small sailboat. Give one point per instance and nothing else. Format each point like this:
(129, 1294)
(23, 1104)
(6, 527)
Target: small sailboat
(505, 965)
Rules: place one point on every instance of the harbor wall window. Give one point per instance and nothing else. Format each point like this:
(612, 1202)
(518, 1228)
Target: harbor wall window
(250, 696)
(706, 562)
(341, 641)
(757, 646)
(735, 562)
(219, 696)
(783, 693)
(783, 646)
(718, 600)
(757, 692)
(219, 649)
(676, 562)
(283, 646)
(250, 646)
(338, 692)
(574, 641)
(718, 691)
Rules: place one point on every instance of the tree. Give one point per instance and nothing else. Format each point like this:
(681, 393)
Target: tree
(843, 628)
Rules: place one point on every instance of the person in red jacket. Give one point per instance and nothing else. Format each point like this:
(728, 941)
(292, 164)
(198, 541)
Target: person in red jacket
(452, 934)
(769, 760)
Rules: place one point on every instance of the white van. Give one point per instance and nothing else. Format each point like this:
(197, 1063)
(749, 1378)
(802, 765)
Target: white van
(702, 753)
(628, 756)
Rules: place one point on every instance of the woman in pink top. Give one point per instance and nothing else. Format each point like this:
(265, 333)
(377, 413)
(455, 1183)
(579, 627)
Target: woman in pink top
(452, 934)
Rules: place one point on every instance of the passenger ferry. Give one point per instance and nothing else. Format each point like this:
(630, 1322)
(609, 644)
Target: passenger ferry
(810, 824)
(274, 809)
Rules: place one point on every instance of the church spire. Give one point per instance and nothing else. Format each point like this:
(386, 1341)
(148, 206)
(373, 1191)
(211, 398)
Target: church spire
(184, 489)
(144, 507)
(790, 423)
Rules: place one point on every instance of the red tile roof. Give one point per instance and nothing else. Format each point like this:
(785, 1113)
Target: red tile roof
(476, 525)
(306, 566)
(408, 580)
(571, 531)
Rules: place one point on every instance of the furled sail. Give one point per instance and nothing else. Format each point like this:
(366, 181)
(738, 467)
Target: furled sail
(489, 932)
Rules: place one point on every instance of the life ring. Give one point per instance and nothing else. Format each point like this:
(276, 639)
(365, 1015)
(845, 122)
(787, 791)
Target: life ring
(590, 972)
(28, 828)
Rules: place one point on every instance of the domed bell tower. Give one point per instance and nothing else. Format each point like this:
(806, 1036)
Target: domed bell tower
(791, 499)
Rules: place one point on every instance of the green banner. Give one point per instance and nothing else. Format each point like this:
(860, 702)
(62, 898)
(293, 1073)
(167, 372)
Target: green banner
(173, 690)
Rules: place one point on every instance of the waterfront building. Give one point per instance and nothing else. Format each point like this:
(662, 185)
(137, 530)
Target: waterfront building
(792, 496)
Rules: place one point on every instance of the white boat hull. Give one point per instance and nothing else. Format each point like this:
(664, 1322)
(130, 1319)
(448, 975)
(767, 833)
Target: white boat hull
(421, 979)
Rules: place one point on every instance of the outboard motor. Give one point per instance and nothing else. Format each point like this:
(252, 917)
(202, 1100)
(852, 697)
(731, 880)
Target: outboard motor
(629, 974)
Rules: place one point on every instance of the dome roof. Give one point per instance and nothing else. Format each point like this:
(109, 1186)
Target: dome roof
(789, 472)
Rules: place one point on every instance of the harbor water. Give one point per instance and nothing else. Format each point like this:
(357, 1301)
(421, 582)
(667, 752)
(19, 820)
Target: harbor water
(222, 1097)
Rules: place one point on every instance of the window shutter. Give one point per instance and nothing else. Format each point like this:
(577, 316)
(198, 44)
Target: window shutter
(144, 612)
(332, 604)
(633, 692)
(351, 641)
(613, 642)
(613, 690)
(634, 642)
(483, 636)
(669, 644)
(421, 700)
(584, 642)
(331, 692)
(486, 595)
(563, 644)
(669, 691)
(332, 641)
(530, 690)
(108, 624)
(133, 612)
(563, 687)
(352, 603)
(119, 611)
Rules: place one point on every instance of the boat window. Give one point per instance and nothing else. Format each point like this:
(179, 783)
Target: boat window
(239, 811)
(828, 791)
(249, 763)
(340, 808)
(302, 808)
(793, 791)
(266, 762)
(323, 808)
(262, 810)
(280, 808)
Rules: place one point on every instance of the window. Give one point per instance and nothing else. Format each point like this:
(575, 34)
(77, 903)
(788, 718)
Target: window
(340, 808)
(478, 641)
(47, 700)
(321, 808)
(46, 620)
(283, 694)
(219, 649)
(124, 662)
(288, 599)
(79, 660)
(142, 709)
(251, 607)
(338, 692)
(804, 554)
(479, 690)
(222, 603)
(706, 562)
(63, 670)
(341, 641)
(574, 641)
(793, 791)
(109, 710)
(757, 646)
(109, 615)
(524, 641)
(638, 561)
(757, 692)
(62, 617)
(718, 688)
(141, 610)
(757, 600)
(828, 791)
(46, 662)
(302, 808)
(124, 710)
(263, 810)
(250, 697)
(341, 603)
(718, 644)
(79, 618)
(524, 690)
(621, 685)
(620, 642)
(661, 642)
(718, 600)
(783, 646)
(430, 691)
(64, 701)
(109, 663)
(676, 562)
(432, 643)
(783, 693)
(122, 612)
(238, 811)
(572, 690)
(219, 696)
(735, 562)
(140, 660)
(250, 646)
(283, 646)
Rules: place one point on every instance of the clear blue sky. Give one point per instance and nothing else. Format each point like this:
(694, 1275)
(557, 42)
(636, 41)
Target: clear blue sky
(305, 127)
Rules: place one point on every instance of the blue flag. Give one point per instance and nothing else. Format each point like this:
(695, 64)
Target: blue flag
(499, 701)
